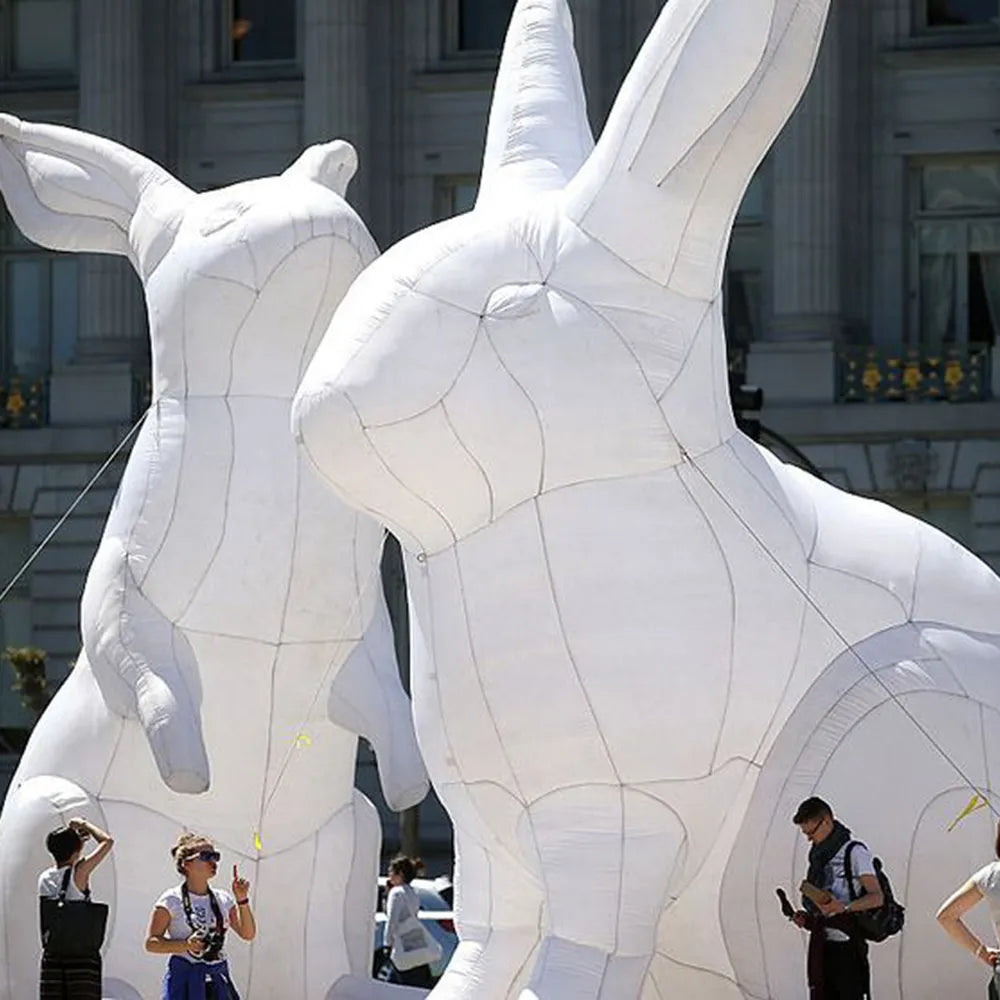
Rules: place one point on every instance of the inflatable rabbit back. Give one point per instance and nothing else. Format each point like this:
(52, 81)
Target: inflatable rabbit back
(235, 640)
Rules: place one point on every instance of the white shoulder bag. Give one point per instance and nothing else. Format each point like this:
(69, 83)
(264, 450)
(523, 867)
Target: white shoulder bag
(413, 944)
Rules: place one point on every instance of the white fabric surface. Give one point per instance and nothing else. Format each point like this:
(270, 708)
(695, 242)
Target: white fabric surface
(235, 640)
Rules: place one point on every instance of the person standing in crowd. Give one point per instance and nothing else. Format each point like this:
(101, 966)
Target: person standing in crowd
(985, 884)
(411, 948)
(837, 963)
(77, 978)
(189, 923)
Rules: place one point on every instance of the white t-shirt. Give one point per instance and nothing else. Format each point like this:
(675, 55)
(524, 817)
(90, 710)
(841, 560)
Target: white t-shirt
(201, 915)
(987, 881)
(835, 879)
(50, 884)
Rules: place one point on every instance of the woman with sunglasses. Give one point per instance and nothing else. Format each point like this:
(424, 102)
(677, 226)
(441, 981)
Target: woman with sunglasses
(189, 924)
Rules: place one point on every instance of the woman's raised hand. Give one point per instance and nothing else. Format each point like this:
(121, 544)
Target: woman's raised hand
(241, 887)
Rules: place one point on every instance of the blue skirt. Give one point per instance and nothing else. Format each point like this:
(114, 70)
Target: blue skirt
(186, 980)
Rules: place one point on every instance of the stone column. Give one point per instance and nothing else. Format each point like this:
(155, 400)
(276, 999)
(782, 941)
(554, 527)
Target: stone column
(336, 82)
(112, 327)
(806, 217)
(112, 343)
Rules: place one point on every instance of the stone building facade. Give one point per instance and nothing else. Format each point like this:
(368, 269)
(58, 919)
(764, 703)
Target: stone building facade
(863, 287)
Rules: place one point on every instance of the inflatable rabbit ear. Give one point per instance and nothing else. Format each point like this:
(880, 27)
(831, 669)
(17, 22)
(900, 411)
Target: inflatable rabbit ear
(70, 190)
(539, 135)
(708, 94)
(333, 165)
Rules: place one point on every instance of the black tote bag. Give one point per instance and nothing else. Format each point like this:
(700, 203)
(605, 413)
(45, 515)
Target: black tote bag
(72, 928)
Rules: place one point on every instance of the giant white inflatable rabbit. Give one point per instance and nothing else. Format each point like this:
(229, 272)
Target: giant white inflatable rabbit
(235, 640)
(617, 600)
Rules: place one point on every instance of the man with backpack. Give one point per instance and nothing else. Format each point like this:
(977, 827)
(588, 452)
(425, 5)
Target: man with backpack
(842, 882)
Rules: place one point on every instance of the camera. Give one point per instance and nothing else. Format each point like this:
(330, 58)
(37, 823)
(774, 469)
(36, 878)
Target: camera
(212, 942)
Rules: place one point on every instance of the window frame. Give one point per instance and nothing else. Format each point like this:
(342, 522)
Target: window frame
(963, 218)
(952, 32)
(218, 16)
(10, 253)
(451, 50)
(10, 76)
(445, 188)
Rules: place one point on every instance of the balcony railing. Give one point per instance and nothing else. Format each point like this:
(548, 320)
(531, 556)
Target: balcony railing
(23, 402)
(956, 374)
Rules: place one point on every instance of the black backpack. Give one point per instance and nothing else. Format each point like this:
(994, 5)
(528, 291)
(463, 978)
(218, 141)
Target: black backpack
(875, 925)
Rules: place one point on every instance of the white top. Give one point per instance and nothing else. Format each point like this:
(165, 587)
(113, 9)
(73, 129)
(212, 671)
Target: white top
(50, 885)
(401, 903)
(835, 879)
(201, 913)
(987, 881)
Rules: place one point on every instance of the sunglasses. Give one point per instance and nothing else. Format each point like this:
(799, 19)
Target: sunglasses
(213, 856)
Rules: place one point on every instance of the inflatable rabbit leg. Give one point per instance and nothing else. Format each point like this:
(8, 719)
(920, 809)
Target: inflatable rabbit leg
(35, 807)
(367, 697)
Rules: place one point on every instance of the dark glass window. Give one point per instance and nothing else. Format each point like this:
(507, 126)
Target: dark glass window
(38, 38)
(482, 24)
(262, 30)
(962, 13)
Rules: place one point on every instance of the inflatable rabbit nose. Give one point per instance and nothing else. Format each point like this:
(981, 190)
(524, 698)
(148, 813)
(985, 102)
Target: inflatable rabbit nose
(332, 164)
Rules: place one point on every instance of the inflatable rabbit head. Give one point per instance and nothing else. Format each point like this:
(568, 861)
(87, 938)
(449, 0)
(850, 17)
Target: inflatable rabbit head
(228, 275)
(569, 328)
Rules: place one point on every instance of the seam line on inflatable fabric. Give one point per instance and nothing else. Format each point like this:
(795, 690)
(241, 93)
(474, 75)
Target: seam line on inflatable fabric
(268, 739)
(323, 685)
(877, 584)
(258, 280)
(860, 720)
(468, 451)
(711, 972)
(481, 683)
(651, 977)
(176, 490)
(733, 615)
(35, 177)
(440, 399)
(346, 497)
(916, 576)
(333, 641)
(284, 258)
(688, 351)
(531, 403)
(786, 515)
(436, 682)
(851, 647)
(761, 72)
(406, 489)
(210, 563)
(566, 644)
(986, 756)
(793, 669)
(305, 355)
(938, 658)
(630, 350)
(224, 279)
(151, 465)
(309, 901)
(292, 550)
(621, 883)
(234, 344)
(526, 245)
(98, 794)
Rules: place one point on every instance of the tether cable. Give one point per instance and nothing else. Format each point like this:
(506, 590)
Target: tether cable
(852, 647)
(72, 507)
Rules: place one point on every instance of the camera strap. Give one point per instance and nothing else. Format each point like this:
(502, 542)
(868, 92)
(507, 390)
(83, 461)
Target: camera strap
(220, 924)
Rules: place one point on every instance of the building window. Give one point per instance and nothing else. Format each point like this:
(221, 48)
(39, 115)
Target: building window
(454, 195)
(38, 38)
(955, 255)
(476, 26)
(258, 32)
(743, 283)
(39, 318)
(958, 15)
